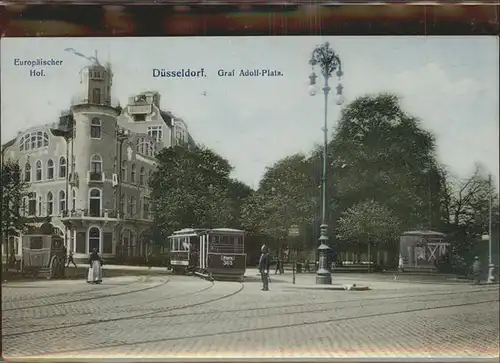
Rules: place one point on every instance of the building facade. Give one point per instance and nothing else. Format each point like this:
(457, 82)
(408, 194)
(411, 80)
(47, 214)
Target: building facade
(89, 172)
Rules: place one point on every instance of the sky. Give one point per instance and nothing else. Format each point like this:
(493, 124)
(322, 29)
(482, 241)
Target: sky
(450, 83)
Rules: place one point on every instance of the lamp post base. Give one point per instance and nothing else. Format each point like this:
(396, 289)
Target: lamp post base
(491, 274)
(324, 279)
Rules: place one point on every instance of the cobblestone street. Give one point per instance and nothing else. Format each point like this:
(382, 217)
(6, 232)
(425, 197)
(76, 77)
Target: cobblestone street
(177, 316)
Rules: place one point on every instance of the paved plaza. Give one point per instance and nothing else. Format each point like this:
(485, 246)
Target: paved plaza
(180, 316)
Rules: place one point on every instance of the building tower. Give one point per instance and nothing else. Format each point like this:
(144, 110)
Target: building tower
(93, 149)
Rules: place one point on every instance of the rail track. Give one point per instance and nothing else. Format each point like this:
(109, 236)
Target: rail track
(89, 298)
(135, 316)
(281, 326)
(106, 287)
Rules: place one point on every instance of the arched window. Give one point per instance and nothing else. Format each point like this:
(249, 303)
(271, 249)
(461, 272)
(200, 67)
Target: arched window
(132, 174)
(27, 172)
(96, 164)
(45, 139)
(32, 204)
(62, 201)
(145, 147)
(122, 205)
(50, 169)
(62, 167)
(50, 203)
(95, 128)
(27, 142)
(39, 139)
(40, 207)
(141, 175)
(38, 171)
(145, 208)
(73, 200)
(21, 143)
(94, 239)
(33, 140)
(95, 202)
(123, 175)
(131, 206)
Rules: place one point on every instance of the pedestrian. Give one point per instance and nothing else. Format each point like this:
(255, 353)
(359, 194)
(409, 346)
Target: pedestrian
(401, 267)
(278, 266)
(476, 270)
(264, 267)
(71, 260)
(95, 268)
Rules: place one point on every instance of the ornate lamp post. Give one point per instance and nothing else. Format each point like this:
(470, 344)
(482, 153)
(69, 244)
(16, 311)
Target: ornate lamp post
(487, 237)
(329, 62)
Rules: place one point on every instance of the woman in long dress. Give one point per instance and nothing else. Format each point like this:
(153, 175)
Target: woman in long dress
(95, 268)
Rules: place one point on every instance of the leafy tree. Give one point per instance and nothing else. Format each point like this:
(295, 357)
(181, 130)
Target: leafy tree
(190, 188)
(380, 152)
(13, 192)
(285, 197)
(239, 193)
(369, 223)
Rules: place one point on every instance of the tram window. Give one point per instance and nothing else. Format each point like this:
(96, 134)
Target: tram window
(185, 244)
(238, 244)
(36, 243)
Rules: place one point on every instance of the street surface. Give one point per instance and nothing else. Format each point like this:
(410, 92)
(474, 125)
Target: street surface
(180, 316)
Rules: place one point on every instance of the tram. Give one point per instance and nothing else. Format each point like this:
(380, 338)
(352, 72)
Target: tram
(211, 253)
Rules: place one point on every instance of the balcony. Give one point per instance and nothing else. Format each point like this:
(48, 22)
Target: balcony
(91, 214)
(95, 177)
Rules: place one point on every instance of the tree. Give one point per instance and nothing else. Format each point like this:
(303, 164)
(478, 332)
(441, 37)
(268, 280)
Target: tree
(466, 203)
(238, 193)
(190, 188)
(13, 192)
(369, 223)
(380, 152)
(285, 197)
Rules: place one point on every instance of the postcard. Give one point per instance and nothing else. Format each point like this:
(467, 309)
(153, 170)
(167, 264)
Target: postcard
(250, 197)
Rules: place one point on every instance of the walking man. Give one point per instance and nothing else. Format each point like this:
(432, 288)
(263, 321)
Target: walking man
(71, 260)
(476, 270)
(279, 266)
(264, 267)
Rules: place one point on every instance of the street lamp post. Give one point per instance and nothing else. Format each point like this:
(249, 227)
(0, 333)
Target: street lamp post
(491, 266)
(329, 62)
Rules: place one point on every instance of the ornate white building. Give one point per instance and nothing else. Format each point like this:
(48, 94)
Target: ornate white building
(89, 172)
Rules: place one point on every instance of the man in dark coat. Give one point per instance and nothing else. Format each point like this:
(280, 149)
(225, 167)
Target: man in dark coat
(264, 263)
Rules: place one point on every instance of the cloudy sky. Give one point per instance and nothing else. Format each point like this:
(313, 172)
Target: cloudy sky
(450, 83)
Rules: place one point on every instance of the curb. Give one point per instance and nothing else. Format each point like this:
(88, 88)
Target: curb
(331, 288)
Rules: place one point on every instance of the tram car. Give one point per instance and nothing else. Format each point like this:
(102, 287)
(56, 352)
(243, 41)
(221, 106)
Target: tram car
(43, 254)
(211, 253)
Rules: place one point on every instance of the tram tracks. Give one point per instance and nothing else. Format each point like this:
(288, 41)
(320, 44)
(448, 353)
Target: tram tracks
(105, 287)
(124, 307)
(89, 298)
(134, 316)
(228, 332)
(331, 304)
